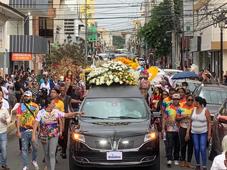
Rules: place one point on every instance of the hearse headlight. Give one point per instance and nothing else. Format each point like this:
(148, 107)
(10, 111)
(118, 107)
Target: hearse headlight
(151, 136)
(78, 137)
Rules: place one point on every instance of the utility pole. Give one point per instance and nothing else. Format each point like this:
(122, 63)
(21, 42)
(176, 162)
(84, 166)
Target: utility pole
(174, 42)
(4, 62)
(221, 56)
(86, 30)
(146, 5)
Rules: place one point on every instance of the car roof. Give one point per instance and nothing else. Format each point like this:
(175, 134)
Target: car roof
(172, 70)
(114, 92)
(214, 86)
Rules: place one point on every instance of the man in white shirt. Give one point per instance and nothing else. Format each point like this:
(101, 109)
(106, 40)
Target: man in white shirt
(4, 121)
(219, 162)
(5, 103)
(45, 85)
(5, 92)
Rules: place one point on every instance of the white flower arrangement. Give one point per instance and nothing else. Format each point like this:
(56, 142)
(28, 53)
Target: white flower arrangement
(112, 72)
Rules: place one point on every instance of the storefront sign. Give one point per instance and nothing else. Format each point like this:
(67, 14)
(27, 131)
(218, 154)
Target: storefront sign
(21, 57)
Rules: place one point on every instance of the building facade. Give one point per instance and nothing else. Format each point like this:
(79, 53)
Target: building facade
(26, 45)
(11, 23)
(207, 30)
(68, 25)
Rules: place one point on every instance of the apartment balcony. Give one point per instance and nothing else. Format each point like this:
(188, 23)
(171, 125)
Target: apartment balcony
(35, 7)
(199, 4)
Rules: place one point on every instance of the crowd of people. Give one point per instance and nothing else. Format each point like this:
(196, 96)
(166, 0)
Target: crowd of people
(42, 106)
(185, 123)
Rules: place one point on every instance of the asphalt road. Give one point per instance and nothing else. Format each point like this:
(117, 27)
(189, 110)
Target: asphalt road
(15, 163)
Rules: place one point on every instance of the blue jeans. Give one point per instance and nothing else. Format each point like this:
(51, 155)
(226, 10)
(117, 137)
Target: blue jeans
(3, 152)
(50, 151)
(26, 138)
(200, 145)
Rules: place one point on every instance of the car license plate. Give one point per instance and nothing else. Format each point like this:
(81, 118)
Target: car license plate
(114, 156)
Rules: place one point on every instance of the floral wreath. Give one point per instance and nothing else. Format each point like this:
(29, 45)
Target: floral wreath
(112, 72)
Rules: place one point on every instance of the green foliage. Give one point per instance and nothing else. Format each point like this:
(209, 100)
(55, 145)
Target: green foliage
(118, 42)
(72, 51)
(157, 32)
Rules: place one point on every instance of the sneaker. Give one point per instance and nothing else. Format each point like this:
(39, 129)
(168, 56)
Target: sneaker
(197, 167)
(25, 168)
(169, 163)
(183, 164)
(35, 164)
(189, 165)
(204, 168)
(176, 163)
(63, 155)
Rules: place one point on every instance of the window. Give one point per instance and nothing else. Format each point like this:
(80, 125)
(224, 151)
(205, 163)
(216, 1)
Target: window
(69, 26)
(115, 107)
(46, 26)
(214, 96)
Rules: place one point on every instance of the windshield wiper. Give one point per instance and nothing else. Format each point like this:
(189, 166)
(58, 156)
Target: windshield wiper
(122, 117)
(92, 117)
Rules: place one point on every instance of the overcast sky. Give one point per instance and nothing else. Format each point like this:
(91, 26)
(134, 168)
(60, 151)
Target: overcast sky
(117, 8)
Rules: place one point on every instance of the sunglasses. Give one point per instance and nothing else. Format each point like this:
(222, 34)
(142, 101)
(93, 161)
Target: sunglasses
(190, 100)
(165, 94)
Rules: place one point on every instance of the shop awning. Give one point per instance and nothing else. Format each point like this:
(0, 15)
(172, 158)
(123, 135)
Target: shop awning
(9, 13)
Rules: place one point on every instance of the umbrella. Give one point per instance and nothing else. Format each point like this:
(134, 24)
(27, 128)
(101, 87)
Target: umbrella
(185, 75)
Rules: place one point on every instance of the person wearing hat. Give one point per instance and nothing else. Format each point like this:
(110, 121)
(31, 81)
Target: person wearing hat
(171, 130)
(26, 113)
(5, 119)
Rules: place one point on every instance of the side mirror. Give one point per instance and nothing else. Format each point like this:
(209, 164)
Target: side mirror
(75, 121)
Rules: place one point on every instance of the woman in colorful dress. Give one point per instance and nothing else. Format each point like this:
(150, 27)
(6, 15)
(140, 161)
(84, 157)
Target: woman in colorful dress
(155, 99)
(183, 117)
(48, 119)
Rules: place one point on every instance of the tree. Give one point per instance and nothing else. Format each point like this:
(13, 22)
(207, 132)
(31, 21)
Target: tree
(68, 56)
(118, 42)
(157, 32)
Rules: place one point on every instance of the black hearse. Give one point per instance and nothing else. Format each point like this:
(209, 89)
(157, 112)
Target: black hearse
(117, 130)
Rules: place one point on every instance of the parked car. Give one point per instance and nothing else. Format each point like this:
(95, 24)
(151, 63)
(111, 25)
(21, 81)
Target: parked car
(117, 130)
(219, 130)
(214, 94)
